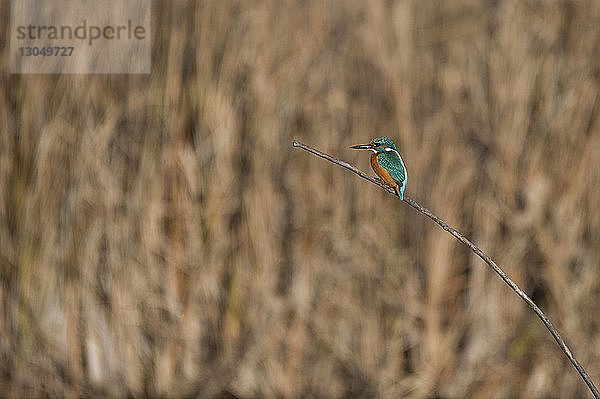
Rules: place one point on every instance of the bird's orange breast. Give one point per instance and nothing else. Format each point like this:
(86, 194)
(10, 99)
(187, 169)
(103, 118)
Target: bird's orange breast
(382, 173)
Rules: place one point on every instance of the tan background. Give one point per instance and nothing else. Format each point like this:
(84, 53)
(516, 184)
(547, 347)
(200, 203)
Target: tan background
(160, 236)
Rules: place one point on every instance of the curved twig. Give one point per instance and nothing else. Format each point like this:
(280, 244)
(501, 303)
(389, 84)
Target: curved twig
(477, 251)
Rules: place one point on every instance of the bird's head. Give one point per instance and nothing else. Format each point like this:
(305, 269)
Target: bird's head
(378, 144)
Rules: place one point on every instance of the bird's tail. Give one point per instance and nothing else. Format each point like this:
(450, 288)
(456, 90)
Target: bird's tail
(400, 191)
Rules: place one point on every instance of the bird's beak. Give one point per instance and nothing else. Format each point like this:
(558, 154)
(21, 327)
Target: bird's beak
(362, 147)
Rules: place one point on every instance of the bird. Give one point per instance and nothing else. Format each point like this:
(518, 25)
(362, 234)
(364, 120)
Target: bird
(387, 163)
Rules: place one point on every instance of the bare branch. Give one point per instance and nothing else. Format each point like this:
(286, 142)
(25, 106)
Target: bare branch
(477, 251)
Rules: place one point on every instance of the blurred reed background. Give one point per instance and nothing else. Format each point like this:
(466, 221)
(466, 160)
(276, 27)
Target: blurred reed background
(159, 236)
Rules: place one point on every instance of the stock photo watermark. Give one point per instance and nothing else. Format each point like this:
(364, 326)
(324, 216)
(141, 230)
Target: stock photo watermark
(110, 36)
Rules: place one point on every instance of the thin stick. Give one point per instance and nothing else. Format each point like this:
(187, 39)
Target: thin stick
(477, 251)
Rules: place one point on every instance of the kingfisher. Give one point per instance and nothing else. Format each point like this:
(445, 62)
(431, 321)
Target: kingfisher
(387, 163)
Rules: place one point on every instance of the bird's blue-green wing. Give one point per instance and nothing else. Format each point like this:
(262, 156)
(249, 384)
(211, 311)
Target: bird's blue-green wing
(392, 162)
